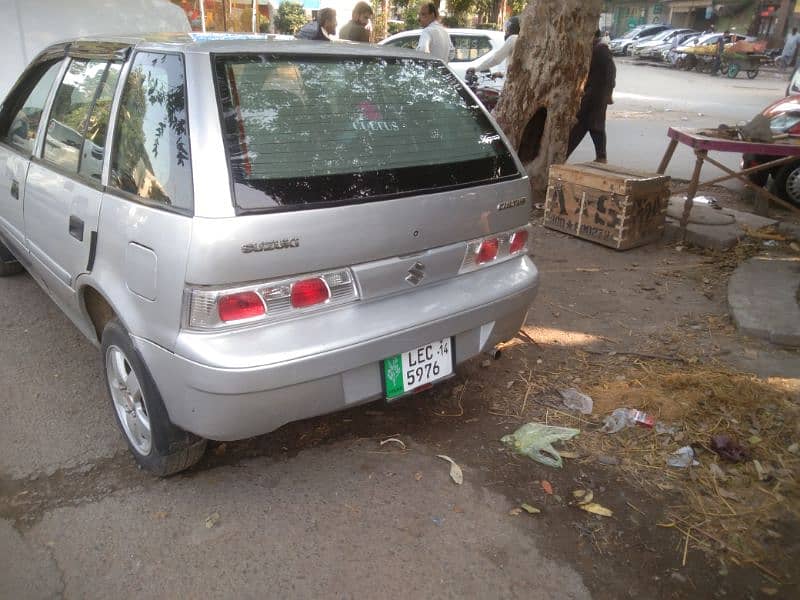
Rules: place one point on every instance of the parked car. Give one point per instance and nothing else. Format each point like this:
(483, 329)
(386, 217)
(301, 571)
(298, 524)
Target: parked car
(654, 47)
(256, 230)
(784, 118)
(671, 53)
(701, 53)
(471, 46)
(621, 45)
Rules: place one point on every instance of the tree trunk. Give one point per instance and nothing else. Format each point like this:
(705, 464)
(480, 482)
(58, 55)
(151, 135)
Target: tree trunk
(544, 82)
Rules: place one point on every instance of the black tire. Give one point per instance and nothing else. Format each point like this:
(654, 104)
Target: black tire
(170, 448)
(8, 264)
(787, 183)
(752, 73)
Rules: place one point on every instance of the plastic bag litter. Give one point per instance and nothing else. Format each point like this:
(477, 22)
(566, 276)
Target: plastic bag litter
(576, 400)
(682, 458)
(535, 440)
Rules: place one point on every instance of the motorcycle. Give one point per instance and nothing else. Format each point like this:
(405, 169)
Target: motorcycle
(485, 87)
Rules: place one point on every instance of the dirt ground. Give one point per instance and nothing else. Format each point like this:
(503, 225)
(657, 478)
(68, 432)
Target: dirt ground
(604, 322)
(645, 329)
(615, 325)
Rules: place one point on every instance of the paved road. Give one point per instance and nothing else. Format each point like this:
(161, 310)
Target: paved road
(648, 100)
(78, 520)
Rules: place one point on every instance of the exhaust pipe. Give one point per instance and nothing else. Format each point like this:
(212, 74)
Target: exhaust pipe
(494, 353)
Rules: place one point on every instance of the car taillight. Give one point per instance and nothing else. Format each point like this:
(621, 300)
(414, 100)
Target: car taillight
(518, 241)
(492, 249)
(212, 309)
(487, 251)
(309, 292)
(241, 306)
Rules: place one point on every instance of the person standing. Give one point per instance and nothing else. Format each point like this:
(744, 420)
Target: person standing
(320, 30)
(716, 66)
(790, 48)
(356, 29)
(597, 95)
(505, 51)
(434, 38)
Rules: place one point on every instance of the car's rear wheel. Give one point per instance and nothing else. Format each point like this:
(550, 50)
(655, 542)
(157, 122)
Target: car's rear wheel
(787, 183)
(157, 445)
(8, 264)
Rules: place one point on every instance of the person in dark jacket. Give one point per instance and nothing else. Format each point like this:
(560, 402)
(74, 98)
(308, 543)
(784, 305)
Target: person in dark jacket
(597, 95)
(356, 30)
(322, 29)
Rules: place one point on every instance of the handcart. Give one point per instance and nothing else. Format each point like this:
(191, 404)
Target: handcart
(743, 56)
(734, 63)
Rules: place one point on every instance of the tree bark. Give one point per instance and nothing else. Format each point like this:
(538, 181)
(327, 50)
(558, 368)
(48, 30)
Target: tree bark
(544, 82)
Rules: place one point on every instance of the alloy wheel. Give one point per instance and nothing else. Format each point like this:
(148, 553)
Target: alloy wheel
(128, 398)
(793, 186)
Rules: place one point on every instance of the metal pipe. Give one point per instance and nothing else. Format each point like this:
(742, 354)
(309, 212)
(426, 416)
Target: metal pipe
(494, 353)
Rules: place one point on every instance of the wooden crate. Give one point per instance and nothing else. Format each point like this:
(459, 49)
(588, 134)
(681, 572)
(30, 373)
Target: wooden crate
(609, 205)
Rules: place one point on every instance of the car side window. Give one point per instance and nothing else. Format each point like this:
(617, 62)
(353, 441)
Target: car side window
(22, 113)
(470, 47)
(75, 114)
(150, 158)
(94, 139)
(409, 41)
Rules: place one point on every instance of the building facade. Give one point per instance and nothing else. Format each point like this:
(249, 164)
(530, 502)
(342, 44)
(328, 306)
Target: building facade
(767, 19)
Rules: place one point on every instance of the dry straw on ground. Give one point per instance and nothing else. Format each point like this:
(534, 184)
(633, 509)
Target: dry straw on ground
(727, 509)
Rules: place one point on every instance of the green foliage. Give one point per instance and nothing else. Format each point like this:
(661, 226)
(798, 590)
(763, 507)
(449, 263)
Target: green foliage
(517, 6)
(410, 16)
(290, 17)
(455, 20)
(396, 28)
(461, 8)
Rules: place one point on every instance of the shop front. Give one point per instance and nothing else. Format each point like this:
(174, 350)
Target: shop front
(250, 16)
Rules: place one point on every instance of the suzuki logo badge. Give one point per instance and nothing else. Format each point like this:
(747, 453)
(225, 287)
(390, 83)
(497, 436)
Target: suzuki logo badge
(416, 273)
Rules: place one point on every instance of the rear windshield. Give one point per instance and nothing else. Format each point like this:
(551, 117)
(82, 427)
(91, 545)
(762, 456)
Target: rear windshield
(318, 131)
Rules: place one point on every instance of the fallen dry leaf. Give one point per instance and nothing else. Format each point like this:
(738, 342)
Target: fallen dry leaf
(530, 509)
(547, 487)
(514, 512)
(394, 441)
(583, 496)
(160, 514)
(418, 476)
(212, 520)
(596, 509)
(455, 471)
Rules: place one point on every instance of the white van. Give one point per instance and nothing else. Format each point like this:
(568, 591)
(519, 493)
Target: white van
(29, 26)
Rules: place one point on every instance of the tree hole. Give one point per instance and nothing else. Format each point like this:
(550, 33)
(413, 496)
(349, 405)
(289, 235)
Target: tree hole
(531, 142)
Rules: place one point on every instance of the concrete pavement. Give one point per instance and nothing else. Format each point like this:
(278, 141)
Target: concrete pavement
(353, 520)
(763, 298)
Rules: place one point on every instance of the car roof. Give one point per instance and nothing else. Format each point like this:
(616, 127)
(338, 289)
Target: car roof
(451, 31)
(225, 43)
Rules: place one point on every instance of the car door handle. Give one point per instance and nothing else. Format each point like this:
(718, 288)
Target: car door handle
(76, 227)
(15, 189)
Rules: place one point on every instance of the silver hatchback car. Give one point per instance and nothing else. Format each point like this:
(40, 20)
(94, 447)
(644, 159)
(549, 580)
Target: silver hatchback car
(256, 230)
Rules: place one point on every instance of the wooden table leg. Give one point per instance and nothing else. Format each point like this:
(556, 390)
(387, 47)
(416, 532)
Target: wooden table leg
(692, 190)
(667, 156)
(758, 189)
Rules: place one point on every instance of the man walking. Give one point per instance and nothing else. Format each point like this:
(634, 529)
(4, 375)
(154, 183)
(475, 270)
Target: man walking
(356, 29)
(597, 94)
(434, 38)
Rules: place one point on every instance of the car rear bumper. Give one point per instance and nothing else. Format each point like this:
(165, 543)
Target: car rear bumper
(478, 310)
